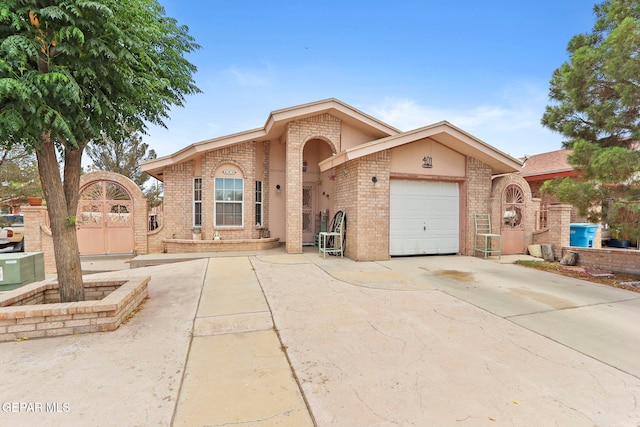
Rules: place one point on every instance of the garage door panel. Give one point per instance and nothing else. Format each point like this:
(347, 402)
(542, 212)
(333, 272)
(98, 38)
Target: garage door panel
(424, 217)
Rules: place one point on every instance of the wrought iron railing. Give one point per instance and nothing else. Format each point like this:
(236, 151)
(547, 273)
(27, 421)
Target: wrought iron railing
(156, 216)
(542, 220)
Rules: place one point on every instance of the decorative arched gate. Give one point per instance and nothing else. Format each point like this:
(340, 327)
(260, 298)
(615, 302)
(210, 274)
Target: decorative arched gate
(513, 220)
(105, 219)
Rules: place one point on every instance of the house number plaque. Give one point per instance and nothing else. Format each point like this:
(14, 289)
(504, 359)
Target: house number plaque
(228, 172)
(427, 162)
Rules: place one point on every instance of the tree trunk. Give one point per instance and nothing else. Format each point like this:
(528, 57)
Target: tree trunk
(63, 227)
(72, 172)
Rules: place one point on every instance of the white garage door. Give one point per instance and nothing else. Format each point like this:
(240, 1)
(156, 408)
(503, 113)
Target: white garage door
(424, 217)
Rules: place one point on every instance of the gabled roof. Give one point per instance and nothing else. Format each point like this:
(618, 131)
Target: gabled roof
(442, 132)
(546, 165)
(274, 127)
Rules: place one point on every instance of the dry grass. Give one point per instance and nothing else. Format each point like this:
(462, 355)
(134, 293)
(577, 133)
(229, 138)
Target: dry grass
(617, 280)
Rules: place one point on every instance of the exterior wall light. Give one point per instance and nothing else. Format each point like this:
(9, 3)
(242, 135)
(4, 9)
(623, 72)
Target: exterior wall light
(374, 179)
(278, 188)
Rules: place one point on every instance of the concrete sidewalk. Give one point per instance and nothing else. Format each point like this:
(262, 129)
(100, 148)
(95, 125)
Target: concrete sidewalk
(201, 351)
(237, 372)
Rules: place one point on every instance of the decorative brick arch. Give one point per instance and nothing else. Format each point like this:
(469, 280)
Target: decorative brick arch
(332, 145)
(216, 165)
(137, 200)
(325, 127)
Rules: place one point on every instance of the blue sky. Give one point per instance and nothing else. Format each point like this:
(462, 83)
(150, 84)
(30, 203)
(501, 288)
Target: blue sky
(483, 66)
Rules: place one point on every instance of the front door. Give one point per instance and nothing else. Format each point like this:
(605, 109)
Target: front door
(308, 214)
(513, 220)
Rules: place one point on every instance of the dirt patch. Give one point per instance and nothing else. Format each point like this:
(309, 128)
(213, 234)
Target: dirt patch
(616, 280)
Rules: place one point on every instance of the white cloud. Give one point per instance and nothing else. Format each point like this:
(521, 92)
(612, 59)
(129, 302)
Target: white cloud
(509, 121)
(250, 77)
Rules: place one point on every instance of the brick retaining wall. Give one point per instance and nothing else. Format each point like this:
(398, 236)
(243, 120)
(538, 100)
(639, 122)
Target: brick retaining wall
(616, 260)
(174, 246)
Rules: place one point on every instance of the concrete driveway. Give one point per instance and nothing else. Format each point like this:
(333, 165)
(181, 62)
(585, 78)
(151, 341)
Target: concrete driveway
(442, 341)
(455, 341)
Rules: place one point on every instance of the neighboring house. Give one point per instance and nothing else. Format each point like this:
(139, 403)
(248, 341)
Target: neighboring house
(14, 206)
(540, 168)
(403, 193)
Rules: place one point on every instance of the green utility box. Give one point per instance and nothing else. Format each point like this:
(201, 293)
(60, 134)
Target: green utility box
(18, 269)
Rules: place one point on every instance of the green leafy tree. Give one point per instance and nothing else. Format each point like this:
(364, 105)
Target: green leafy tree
(122, 157)
(18, 174)
(74, 72)
(596, 106)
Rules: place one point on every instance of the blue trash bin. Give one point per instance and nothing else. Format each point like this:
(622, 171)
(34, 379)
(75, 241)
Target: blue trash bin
(582, 234)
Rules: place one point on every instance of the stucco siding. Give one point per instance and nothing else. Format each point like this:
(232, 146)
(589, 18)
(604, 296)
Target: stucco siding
(409, 159)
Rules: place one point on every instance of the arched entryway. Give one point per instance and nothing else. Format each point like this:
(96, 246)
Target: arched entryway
(316, 189)
(111, 216)
(513, 212)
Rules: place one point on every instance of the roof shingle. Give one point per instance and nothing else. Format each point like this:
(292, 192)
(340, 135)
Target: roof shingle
(546, 163)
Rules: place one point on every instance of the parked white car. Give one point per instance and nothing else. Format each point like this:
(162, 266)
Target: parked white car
(11, 233)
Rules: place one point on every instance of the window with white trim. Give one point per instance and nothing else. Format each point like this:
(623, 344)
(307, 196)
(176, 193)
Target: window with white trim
(229, 202)
(258, 203)
(197, 202)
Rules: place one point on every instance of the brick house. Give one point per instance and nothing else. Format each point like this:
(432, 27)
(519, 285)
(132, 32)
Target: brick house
(403, 193)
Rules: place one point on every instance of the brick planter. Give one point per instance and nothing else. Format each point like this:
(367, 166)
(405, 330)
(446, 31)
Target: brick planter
(34, 311)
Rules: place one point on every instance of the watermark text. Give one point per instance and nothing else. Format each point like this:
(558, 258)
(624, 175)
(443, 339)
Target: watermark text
(27, 407)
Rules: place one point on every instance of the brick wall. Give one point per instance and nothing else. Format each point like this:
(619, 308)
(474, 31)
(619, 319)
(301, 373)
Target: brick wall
(345, 189)
(266, 159)
(325, 127)
(478, 199)
(178, 194)
(155, 238)
(616, 260)
(178, 201)
(177, 246)
(37, 235)
(368, 234)
(559, 228)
